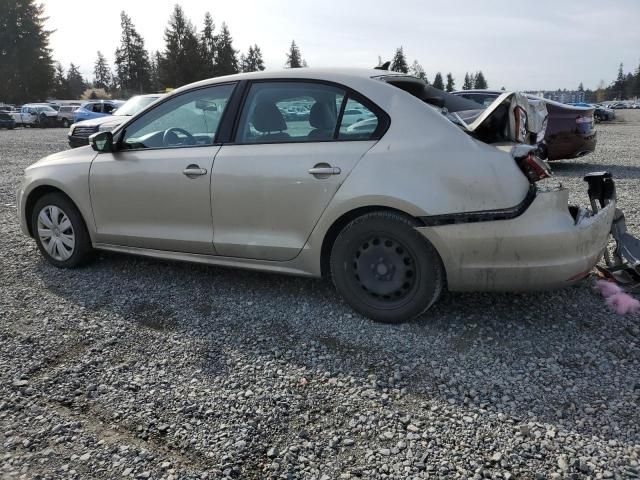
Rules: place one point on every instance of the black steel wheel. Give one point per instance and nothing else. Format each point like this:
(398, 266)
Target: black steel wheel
(386, 269)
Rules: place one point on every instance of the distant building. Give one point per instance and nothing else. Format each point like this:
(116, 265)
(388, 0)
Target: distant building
(565, 96)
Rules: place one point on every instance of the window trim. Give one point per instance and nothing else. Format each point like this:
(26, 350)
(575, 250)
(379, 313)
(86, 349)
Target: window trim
(119, 135)
(384, 121)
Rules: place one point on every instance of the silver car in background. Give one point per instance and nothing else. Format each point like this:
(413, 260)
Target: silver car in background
(394, 210)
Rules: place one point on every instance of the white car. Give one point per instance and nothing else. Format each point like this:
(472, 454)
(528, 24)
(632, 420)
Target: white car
(79, 132)
(37, 115)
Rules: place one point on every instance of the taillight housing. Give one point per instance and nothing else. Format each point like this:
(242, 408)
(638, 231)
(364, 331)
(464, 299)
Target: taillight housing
(534, 167)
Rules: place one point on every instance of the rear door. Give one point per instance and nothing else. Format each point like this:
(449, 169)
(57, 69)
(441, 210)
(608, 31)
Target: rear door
(270, 186)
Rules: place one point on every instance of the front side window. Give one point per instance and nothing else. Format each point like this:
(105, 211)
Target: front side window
(276, 112)
(189, 119)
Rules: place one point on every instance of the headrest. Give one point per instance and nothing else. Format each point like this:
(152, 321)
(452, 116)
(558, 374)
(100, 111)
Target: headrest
(321, 117)
(267, 118)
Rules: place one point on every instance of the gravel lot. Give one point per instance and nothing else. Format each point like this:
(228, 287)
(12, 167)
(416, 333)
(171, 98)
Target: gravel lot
(139, 368)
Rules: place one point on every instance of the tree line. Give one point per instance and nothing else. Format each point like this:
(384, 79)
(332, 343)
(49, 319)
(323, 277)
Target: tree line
(471, 80)
(30, 72)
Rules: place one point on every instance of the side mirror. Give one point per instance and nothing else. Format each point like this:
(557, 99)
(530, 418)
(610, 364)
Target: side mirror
(101, 141)
(206, 106)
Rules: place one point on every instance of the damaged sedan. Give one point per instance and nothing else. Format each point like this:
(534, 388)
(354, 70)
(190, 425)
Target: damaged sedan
(417, 199)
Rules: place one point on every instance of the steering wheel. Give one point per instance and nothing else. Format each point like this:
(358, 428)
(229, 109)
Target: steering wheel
(170, 139)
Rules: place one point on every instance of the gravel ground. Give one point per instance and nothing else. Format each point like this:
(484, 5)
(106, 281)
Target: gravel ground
(139, 368)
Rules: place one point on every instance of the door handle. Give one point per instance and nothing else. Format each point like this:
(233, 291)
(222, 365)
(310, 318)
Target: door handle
(325, 171)
(194, 171)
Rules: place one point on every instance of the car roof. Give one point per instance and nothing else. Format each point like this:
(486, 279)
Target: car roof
(338, 75)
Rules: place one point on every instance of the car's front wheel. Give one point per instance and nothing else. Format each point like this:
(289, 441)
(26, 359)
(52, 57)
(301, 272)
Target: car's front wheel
(60, 231)
(385, 269)
(65, 123)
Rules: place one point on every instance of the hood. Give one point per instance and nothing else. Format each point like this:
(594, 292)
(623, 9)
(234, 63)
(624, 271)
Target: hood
(108, 121)
(75, 155)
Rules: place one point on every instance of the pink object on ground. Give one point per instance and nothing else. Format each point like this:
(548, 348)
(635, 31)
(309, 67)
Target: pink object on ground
(622, 303)
(616, 298)
(607, 289)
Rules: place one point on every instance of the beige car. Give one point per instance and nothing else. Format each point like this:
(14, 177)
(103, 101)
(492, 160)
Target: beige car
(395, 211)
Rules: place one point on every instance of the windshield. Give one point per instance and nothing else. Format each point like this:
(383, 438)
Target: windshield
(134, 105)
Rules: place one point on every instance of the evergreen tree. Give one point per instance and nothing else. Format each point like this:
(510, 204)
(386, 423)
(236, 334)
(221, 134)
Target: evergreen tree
(437, 82)
(253, 62)
(101, 73)
(26, 65)
(468, 82)
(581, 87)
(450, 83)
(636, 83)
(132, 60)
(208, 47)
(226, 56)
(242, 63)
(181, 60)
(154, 72)
(619, 84)
(399, 62)
(60, 88)
(417, 71)
(75, 82)
(479, 81)
(294, 57)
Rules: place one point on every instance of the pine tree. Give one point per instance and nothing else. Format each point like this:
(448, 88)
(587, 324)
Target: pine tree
(242, 63)
(181, 59)
(437, 82)
(208, 47)
(581, 87)
(450, 83)
(154, 72)
(60, 88)
(26, 66)
(417, 71)
(226, 56)
(468, 82)
(131, 59)
(636, 83)
(75, 82)
(101, 73)
(399, 62)
(479, 81)
(294, 57)
(253, 62)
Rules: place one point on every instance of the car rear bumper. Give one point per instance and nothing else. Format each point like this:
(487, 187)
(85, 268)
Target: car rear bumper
(564, 146)
(543, 248)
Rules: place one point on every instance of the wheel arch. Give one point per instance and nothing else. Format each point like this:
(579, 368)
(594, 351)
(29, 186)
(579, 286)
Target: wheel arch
(36, 194)
(339, 223)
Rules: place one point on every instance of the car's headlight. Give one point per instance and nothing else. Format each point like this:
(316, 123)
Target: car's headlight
(70, 132)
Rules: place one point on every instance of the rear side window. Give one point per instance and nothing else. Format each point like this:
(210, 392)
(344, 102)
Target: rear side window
(358, 122)
(286, 112)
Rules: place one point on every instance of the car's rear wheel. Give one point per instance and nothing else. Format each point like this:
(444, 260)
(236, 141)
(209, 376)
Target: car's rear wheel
(65, 123)
(385, 269)
(60, 231)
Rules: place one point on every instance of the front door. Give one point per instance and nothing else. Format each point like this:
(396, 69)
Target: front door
(270, 187)
(154, 190)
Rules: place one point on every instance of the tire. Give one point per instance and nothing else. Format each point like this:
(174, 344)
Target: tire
(385, 269)
(61, 253)
(65, 123)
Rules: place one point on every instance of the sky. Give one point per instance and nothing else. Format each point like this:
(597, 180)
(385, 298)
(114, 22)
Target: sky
(518, 44)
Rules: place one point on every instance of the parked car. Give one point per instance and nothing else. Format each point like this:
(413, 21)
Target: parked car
(37, 115)
(95, 109)
(393, 214)
(80, 132)
(66, 114)
(600, 113)
(7, 121)
(570, 130)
